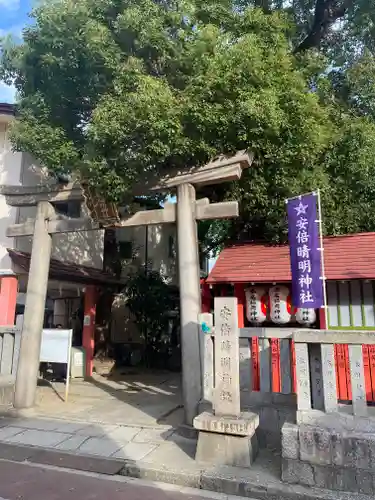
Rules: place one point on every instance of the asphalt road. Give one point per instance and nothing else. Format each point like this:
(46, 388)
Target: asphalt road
(20, 481)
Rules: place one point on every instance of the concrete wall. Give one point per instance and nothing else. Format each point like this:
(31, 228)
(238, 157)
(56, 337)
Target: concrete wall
(10, 173)
(83, 248)
(160, 239)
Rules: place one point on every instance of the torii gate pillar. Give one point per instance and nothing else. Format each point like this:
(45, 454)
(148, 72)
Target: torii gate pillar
(188, 265)
(28, 364)
(186, 212)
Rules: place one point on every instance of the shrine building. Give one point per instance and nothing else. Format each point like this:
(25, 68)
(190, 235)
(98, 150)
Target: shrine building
(259, 276)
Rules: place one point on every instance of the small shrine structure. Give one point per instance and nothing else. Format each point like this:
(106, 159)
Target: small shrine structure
(185, 213)
(259, 276)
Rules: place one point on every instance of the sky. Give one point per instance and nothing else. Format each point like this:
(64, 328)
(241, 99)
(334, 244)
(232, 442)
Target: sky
(13, 17)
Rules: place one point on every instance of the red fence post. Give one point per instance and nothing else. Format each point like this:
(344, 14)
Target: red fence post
(8, 299)
(88, 339)
(206, 297)
(239, 292)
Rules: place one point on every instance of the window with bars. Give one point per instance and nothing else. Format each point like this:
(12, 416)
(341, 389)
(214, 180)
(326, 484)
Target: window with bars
(71, 209)
(351, 304)
(171, 247)
(126, 249)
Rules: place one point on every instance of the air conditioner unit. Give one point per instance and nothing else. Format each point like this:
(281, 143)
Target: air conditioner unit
(78, 362)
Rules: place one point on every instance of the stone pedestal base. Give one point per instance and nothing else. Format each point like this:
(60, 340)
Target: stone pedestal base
(227, 440)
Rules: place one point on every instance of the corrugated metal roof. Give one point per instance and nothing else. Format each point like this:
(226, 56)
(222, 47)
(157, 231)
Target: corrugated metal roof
(6, 109)
(347, 257)
(64, 271)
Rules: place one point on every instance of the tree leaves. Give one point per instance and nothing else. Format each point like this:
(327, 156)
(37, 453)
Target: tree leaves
(116, 90)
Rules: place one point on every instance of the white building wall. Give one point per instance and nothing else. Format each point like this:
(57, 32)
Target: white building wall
(83, 248)
(159, 241)
(10, 173)
(60, 313)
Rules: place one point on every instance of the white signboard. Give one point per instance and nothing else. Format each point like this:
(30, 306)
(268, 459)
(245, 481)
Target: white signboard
(56, 347)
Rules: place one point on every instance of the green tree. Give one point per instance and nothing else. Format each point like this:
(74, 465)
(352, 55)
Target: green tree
(119, 90)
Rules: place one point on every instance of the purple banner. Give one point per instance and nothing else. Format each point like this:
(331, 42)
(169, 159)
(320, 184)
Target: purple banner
(305, 253)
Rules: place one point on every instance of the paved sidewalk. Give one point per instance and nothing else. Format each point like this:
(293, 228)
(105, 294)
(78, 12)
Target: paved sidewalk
(103, 440)
(126, 398)
(152, 453)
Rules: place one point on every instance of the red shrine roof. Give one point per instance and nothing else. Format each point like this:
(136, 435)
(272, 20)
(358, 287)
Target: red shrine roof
(346, 257)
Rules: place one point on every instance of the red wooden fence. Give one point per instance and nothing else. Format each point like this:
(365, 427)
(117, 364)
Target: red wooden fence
(341, 354)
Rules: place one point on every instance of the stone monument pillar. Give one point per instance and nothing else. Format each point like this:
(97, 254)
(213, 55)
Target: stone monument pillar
(226, 435)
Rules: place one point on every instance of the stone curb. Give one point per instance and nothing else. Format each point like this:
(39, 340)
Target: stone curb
(229, 480)
(15, 414)
(67, 460)
(227, 483)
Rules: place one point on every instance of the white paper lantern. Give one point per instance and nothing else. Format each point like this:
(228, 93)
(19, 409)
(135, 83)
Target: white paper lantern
(305, 316)
(256, 309)
(280, 305)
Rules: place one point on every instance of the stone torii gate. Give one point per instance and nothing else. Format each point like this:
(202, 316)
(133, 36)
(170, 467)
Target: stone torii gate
(185, 213)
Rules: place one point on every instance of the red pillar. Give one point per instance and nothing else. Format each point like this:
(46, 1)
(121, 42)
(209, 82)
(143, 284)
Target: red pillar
(206, 297)
(341, 361)
(88, 340)
(322, 319)
(8, 299)
(239, 292)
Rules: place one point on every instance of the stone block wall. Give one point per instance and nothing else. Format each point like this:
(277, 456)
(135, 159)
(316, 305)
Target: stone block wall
(7, 386)
(274, 409)
(339, 457)
(271, 421)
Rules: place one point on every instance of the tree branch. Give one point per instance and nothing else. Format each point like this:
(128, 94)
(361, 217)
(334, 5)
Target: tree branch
(264, 5)
(327, 12)
(207, 248)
